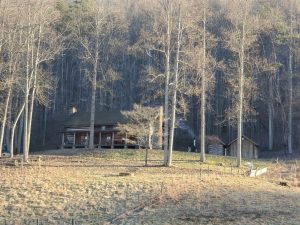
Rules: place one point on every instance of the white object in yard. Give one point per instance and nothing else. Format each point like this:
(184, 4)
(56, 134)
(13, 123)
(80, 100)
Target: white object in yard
(5, 154)
(250, 165)
(257, 172)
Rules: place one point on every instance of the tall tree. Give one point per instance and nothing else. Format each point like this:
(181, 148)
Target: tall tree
(290, 79)
(94, 78)
(175, 86)
(158, 41)
(203, 88)
(242, 36)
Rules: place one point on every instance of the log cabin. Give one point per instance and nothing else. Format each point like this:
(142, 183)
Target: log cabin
(76, 131)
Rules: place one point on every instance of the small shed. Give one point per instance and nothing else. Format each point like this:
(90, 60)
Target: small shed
(249, 148)
(215, 146)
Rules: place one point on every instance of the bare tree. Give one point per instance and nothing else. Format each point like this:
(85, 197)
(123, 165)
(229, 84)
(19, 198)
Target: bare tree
(241, 38)
(94, 78)
(290, 79)
(88, 25)
(11, 46)
(175, 86)
(203, 88)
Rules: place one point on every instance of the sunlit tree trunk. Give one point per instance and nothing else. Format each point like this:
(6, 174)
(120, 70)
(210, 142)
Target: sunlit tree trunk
(35, 73)
(12, 136)
(26, 114)
(270, 113)
(9, 92)
(241, 97)
(167, 159)
(8, 97)
(20, 132)
(94, 83)
(203, 90)
(150, 136)
(290, 84)
(175, 83)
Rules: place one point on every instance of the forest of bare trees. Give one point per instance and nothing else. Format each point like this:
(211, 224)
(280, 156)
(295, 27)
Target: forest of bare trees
(229, 67)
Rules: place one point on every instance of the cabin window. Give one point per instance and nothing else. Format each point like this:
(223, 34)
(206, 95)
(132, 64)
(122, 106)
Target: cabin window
(70, 139)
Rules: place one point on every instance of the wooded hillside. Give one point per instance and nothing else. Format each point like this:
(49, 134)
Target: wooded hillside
(234, 62)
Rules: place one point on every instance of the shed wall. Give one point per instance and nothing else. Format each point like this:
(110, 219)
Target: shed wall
(249, 150)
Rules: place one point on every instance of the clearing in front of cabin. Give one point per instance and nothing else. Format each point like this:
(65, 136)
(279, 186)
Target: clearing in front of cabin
(114, 187)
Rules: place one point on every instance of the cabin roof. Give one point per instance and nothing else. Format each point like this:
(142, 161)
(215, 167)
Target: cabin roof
(80, 119)
(246, 138)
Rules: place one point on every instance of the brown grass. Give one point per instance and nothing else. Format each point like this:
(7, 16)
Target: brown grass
(87, 187)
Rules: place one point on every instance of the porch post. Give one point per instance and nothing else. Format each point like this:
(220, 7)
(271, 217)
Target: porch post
(74, 141)
(86, 145)
(62, 141)
(113, 140)
(100, 141)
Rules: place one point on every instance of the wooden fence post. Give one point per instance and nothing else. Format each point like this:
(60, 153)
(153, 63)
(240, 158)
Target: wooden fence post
(146, 157)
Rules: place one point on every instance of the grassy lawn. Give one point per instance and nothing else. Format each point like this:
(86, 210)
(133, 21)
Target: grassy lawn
(86, 186)
(156, 156)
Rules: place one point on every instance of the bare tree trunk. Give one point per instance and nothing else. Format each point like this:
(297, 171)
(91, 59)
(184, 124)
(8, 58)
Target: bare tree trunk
(25, 139)
(8, 128)
(290, 82)
(270, 113)
(20, 131)
(203, 90)
(34, 86)
(241, 97)
(2, 27)
(4, 119)
(290, 112)
(8, 97)
(94, 84)
(150, 136)
(167, 161)
(62, 83)
(12, 136)
(9, 93)
(174, 99)
(160, 128)
(45, 126)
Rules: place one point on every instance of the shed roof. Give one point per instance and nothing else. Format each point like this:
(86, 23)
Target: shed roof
(214, 140)
(81, 119)
(244, 137)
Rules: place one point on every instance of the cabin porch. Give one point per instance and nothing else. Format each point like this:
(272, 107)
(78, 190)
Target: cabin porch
(79, 138)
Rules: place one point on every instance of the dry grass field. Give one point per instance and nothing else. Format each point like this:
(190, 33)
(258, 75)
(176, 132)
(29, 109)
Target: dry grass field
(86, 188)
